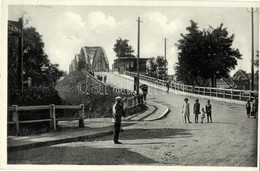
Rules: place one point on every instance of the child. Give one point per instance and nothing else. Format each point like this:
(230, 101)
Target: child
(203, 115)
(196, 110)
(248, 108)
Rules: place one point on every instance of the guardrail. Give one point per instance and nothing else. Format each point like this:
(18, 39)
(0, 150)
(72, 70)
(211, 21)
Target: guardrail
(207, 91)
(14, 109)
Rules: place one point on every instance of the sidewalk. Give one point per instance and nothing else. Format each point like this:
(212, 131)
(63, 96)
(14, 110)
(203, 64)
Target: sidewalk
(95, 128)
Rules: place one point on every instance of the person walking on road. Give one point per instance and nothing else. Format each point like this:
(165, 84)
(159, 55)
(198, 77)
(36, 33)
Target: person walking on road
(196, 110)
(117, 112)
(209, 111)
(254, 108)
(105, 78)
(248, 108)
(168, 85)
(186, 110)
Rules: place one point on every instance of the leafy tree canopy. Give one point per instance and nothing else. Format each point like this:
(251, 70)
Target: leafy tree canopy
(35, 62)
(157, 67)
(205, 54)
(122, 48)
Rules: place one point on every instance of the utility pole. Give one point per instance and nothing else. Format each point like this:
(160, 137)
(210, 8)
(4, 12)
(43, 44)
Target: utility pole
(165, 49)
(252, 62)
(138, 55)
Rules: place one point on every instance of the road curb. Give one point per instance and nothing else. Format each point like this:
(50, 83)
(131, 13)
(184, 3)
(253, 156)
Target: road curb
(165, 113)
(58, 141)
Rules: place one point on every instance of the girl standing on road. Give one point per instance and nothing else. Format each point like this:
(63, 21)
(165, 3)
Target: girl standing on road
(208, 111)
(186, 110)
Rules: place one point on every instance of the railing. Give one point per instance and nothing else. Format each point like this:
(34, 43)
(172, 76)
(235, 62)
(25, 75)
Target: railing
(132, 102)
(14, 109)
(207, 91)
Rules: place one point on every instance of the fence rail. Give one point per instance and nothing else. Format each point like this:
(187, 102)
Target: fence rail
(235, 94)
(14, 110)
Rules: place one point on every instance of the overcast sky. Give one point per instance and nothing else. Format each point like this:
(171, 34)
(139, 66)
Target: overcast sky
(65, 29)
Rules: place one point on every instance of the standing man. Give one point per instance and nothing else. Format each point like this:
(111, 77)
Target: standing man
(196, 110)
(209, 111)
(117, 112)
(248, 108)
(144, 89)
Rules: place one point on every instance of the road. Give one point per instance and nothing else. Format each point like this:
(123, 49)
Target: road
(231, 140)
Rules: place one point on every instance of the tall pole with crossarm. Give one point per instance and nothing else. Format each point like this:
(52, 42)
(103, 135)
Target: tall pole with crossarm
(138, 55)
(252, 60)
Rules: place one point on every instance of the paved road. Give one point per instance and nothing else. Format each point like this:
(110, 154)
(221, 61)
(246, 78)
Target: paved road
(229, 141)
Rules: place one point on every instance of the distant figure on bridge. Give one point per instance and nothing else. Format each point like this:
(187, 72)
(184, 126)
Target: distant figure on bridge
(144, 89)
(196, 110)
(105, 78)
(186, 110)
(209, 111)
(168, 85)
(117, 112)
(248, 108)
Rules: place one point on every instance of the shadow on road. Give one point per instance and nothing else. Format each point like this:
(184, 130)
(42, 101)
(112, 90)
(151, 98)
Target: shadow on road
(80, 155)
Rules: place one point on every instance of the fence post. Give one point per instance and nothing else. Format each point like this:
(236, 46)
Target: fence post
(231, 93)
(216, 92)
(52, 117)
(249, 94)
(81, 116)
(15, 116)
(209, 91)
(204, 91)
(240, 95)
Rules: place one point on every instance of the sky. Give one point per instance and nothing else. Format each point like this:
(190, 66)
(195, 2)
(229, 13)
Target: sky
(65, 29)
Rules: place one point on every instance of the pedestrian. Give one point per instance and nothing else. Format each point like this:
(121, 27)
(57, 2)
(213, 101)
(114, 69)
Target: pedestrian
(202, 115)
(144, 89)
(248, 108)
(196, 110)
(101, 78)
(253, 109)
(105, 78)
(168, 85)
(117, 112)
(209, 111)
(186, 110)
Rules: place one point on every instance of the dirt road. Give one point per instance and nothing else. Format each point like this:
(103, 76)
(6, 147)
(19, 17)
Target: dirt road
(229, 141)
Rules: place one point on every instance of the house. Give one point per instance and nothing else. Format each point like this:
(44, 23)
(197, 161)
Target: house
(123, 64)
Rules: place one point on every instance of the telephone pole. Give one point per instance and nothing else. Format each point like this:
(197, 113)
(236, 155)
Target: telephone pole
(138, 55)
(165, 49)
(252, 62)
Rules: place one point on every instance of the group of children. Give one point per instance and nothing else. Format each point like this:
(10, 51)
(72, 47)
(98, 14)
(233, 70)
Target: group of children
(196, 111)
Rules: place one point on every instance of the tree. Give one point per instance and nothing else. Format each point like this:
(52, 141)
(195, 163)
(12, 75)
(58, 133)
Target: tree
(161, 69)
(122, 48)
(157, 67)
(151, 67)
(205, 54)
(35, 62)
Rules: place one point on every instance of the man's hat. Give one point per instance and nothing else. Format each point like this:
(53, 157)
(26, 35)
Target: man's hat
(197, 100)
(186, 99)
(118, 98)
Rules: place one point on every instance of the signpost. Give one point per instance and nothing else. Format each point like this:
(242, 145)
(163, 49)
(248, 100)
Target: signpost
(15, 29)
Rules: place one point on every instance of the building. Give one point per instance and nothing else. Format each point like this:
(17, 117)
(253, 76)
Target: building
(123, 64)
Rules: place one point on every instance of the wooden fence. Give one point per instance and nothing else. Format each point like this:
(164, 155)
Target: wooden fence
(207, 91)
(14, 111)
